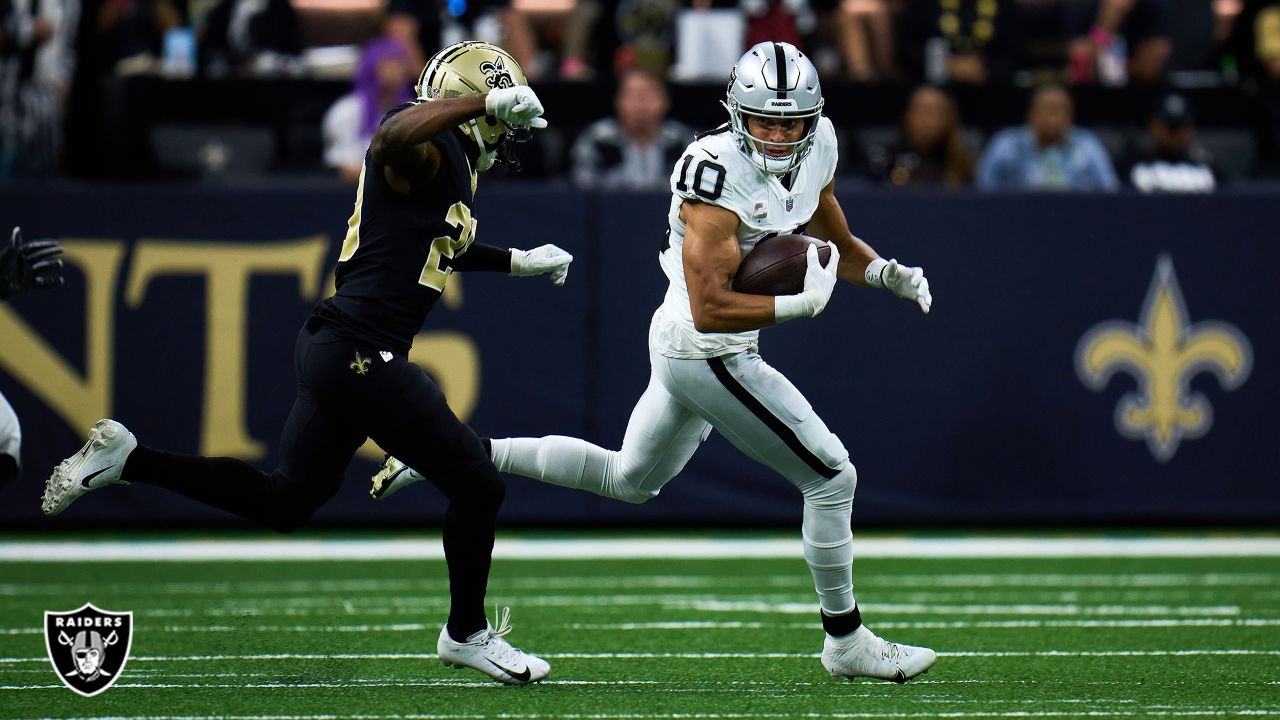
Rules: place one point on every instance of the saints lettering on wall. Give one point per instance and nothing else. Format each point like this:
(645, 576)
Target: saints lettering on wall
(81, 390)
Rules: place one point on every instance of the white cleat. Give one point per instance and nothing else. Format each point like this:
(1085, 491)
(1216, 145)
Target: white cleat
(97, 464)
(391, 478)
(863, 654)
(487, 652)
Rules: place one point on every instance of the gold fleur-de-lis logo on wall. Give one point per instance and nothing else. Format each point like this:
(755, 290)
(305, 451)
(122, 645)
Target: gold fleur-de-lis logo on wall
(1163, 352)
(360, 365)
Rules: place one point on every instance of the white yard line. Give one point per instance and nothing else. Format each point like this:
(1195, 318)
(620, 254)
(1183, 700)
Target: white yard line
(938, 625)
(292, 685)
(793, 608)
(967, 581)
(621, 548)
(1127, 712)
(687, 656)
(713, 625)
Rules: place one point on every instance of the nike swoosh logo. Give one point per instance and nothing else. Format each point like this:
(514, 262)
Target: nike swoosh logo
(522, 676)
(94, 474)
(901, 677)
(713, 157)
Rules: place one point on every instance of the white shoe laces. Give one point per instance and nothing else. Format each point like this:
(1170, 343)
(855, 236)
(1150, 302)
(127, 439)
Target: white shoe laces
(891, 651)
(503, 622)
(495, 642)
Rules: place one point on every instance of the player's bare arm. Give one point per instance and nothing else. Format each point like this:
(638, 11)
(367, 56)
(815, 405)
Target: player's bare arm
(711, 257)
(859, 264)
(829, 223)
(403, 143)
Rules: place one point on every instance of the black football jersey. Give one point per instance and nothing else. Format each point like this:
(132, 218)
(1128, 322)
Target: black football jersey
(400, 249)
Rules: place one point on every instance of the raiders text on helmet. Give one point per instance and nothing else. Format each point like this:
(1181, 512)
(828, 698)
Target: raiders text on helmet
(774, 80)
(471, 68)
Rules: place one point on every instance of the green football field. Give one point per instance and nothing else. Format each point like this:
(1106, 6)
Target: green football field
(1023, 637)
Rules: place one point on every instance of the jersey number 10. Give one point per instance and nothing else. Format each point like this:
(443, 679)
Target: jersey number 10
(707, 173)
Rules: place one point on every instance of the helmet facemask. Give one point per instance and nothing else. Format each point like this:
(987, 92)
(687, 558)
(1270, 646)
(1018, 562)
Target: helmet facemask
(776, 81)
(754, 146)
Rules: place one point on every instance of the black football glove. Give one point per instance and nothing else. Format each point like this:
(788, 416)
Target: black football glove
(29, 264)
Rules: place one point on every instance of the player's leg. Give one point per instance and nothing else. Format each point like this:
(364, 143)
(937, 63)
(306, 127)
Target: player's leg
(661, 436)
(315, 448)
(758, 410)
(408, 416)
(10, 443)
(316, 445)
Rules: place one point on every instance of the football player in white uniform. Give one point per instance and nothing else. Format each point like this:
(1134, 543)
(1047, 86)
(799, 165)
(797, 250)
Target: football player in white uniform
(768, 172)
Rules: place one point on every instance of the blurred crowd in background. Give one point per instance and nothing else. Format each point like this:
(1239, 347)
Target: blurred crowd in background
(218, 89)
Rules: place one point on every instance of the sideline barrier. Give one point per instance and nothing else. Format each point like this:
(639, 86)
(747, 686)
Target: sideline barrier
(1066, 374)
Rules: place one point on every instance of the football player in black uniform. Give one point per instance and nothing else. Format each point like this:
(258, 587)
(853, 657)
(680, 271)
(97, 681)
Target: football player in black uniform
(24, 264)
(411, 228)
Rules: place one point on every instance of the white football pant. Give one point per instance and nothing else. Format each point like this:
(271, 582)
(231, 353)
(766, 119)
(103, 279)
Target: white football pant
(10, 431)
(756, 409)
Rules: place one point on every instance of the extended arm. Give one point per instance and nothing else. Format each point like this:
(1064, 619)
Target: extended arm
(859, 264)
(27, 264)
(544, 260)
(828, 223)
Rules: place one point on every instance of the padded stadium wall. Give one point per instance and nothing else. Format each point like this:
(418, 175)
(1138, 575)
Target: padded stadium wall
(1089, 359)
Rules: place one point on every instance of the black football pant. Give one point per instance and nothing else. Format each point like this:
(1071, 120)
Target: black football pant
(347, 391)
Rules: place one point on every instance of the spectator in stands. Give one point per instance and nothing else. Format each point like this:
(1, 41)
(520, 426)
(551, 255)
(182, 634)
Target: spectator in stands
(36, 64)
(416, 24)
(646, 31)
(1254, 42)
(383, 80)
(960, 41)
(866, 37)
(1254, 39)
(251, 37)
(128, 34)
(1170, 159)
(1117, 40)
(564, 28)
(929, 149)
(777, 20)
(636, 149)
(1048, 153)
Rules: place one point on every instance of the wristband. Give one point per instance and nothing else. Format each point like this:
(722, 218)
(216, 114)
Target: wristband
(874, 272)
(789, 307)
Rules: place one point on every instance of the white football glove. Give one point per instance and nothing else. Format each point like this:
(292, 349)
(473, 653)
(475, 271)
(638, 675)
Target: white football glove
(908, 283)
(819, 281)
(517, 105)
(540, 261)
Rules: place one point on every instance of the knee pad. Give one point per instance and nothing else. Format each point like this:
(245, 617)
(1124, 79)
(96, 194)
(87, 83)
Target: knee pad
(834, 492)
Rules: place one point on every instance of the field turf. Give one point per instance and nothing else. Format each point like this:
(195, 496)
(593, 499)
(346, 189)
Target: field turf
(658, 638)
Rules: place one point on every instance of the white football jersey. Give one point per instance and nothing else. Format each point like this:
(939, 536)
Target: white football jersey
(714, 170)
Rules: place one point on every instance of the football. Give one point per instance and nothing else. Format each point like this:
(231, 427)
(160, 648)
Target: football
(776, 265)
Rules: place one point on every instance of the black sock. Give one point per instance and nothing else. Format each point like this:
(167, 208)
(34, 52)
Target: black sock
(838, 626)
(8, 469)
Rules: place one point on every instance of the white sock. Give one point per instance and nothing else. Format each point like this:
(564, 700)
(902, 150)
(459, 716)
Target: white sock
(828, 540)
(572, 463)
